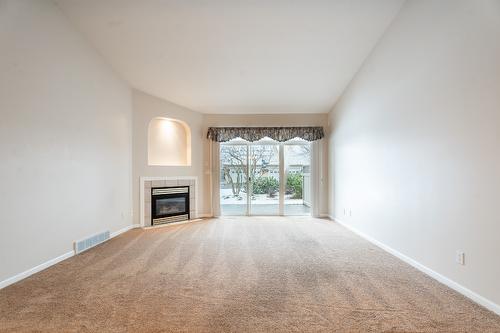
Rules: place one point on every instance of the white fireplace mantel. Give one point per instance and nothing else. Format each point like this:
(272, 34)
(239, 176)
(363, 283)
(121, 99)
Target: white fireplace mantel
(180, 181)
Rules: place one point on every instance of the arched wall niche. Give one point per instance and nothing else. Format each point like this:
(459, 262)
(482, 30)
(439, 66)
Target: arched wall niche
(169, 142)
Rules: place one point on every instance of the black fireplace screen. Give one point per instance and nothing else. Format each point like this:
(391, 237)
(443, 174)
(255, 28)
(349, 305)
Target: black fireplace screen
(169, 202)
(168, 206)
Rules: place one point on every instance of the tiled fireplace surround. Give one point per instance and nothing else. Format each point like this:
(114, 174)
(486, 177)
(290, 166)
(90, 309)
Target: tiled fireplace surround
(145, 194)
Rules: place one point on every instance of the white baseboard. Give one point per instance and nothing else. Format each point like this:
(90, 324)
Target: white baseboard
(53, 261)
(36, 269)
(205, 215)
(122, 230)
(490, 305)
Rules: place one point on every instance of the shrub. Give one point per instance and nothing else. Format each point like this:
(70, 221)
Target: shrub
(294, 185)
(266, 185)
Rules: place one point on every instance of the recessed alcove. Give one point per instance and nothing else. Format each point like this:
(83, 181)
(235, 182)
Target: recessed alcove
(169, 142)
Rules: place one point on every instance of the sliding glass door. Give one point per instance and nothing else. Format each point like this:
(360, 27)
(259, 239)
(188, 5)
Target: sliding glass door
(298, 179)
(265, 178)
(234, 175)
(264, 165)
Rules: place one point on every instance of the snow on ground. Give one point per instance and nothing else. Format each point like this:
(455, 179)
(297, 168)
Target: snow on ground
(226, 197)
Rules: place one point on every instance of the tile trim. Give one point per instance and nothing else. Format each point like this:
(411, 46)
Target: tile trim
(143, 179)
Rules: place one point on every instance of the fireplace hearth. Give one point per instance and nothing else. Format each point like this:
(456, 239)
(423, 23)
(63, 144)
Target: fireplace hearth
(169, 204)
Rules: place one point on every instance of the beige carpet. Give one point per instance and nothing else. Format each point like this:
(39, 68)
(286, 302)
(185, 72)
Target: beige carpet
(238, 275)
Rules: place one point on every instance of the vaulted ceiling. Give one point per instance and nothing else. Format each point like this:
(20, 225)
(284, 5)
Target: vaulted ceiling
(236, 56)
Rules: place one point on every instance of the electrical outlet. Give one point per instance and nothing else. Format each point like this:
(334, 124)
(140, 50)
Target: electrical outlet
(460, 257)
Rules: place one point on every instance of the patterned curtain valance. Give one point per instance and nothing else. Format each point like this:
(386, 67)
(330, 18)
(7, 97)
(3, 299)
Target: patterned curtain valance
(281, 134)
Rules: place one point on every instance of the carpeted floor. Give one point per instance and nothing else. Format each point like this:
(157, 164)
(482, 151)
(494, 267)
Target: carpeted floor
(238, 275)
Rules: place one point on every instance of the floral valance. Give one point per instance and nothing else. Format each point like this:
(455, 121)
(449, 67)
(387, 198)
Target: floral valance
(281, 134)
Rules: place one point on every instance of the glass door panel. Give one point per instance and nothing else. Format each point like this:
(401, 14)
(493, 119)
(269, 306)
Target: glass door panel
(233, 179)
(253, 181)
(264, 172)
(298, 179)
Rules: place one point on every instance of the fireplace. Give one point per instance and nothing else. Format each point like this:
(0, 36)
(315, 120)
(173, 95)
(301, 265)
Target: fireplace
(169, 204)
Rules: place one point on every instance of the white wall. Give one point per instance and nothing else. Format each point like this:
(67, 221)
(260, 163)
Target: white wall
(146, 108)
(415, 143)
(65, 138)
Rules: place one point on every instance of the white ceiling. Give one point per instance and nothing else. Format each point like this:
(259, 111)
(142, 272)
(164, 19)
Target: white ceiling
(236, 56)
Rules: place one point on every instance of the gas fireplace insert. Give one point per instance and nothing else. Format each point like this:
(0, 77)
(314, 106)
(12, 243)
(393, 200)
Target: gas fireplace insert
(169, 204)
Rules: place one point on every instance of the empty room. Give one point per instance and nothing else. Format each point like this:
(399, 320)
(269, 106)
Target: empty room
(250, 166)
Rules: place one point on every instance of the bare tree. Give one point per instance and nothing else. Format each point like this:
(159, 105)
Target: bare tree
(235, 184)
(261, 155)
(234, 161)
